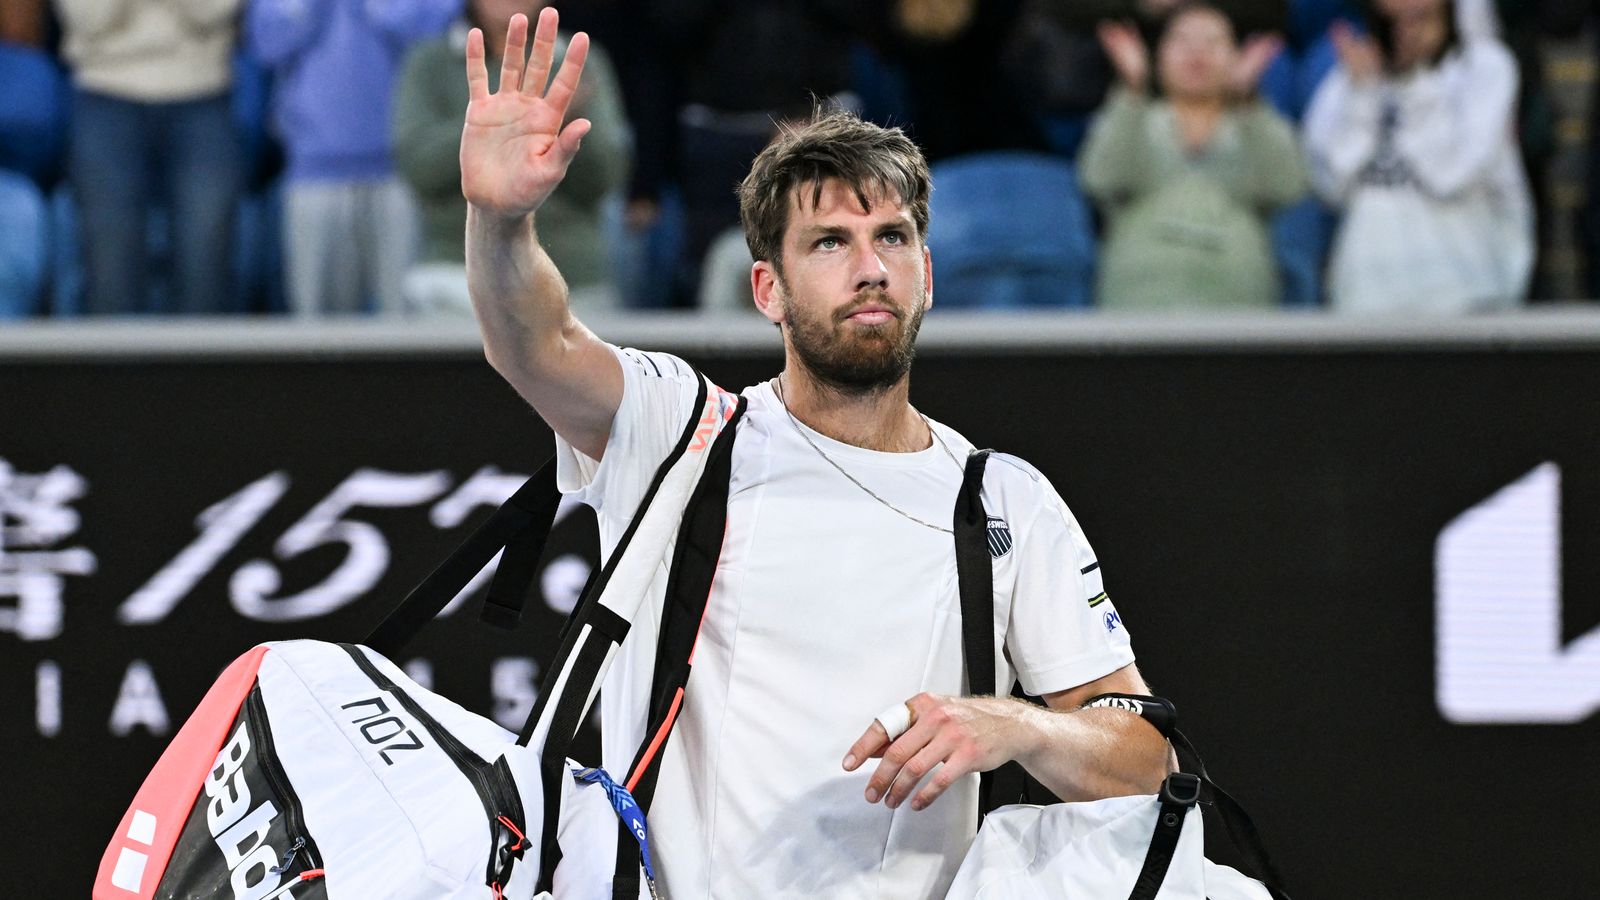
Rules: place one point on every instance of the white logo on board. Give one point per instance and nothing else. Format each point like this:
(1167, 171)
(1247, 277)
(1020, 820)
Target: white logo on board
(1498, 609)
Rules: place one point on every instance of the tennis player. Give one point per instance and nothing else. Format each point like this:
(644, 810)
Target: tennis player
(824, 748)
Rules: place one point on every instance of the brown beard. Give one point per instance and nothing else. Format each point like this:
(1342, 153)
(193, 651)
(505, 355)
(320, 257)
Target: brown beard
(860, 360)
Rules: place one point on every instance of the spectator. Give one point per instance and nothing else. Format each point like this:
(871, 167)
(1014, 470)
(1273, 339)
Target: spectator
(1187, 181)
(1413, 135)
(33, 113)
(430, 105)
(349, 223)
(1056, 61)
(151, 113)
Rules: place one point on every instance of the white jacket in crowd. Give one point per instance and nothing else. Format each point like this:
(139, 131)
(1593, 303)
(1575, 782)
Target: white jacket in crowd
(1425, 169)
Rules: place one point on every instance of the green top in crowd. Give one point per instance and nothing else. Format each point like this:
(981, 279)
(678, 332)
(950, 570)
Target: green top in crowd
(1187, 180)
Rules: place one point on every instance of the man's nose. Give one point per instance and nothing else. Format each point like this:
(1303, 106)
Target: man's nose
(870, 270)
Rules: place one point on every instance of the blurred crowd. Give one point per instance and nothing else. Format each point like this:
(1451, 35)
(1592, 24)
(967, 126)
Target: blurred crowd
(299, 157)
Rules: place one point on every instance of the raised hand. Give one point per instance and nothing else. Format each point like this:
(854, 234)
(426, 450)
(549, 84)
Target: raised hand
(1129, 56)
(1252, 61)
(514, 148)
(1359, 54)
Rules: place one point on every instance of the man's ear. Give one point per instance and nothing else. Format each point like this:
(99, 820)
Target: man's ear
(767, 289)
(927, 274)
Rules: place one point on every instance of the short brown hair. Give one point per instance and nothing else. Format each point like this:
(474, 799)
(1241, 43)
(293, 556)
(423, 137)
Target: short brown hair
(868, 158)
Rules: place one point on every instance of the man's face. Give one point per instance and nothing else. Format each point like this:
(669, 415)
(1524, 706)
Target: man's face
(855, 284)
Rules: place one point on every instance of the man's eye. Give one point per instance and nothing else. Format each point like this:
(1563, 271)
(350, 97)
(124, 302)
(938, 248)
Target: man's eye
(894, 237)
(827, 243)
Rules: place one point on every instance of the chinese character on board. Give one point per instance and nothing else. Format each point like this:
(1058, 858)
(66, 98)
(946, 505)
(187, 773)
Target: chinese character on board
(36, 517)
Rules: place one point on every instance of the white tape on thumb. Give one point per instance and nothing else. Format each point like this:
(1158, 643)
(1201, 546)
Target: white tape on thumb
(895, 720)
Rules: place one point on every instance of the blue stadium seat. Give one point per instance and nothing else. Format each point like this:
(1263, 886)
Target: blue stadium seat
(1064, 134)
(24, 229)
(1010, 230)
(66, 266)
(1302, 235)
(1280, 85)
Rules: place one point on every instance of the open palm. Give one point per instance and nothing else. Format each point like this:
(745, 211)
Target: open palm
(514, 150)
(1252, 62)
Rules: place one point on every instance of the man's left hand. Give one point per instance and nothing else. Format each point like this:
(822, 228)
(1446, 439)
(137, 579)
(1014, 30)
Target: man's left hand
(964, 734)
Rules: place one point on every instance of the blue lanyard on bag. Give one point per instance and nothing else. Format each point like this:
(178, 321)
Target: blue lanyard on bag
(628, 811)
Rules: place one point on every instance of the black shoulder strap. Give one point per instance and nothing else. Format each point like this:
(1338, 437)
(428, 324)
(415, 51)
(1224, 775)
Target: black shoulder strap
(975, 578)
(520, 527)
(1236, 823)
(1179, 793)
(694, 566)
(975, 575)
(587, 658)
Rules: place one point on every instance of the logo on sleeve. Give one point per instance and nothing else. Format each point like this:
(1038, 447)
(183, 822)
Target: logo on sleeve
(999, 537)
(1112, 620)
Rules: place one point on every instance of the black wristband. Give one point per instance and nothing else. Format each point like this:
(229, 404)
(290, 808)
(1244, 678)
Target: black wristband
(1158, 711)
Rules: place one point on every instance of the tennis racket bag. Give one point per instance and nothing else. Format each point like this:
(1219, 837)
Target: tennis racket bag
(316, 770)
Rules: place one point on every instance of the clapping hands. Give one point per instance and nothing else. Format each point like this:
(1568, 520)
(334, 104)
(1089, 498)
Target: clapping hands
(1126, 49)
(1359, 54)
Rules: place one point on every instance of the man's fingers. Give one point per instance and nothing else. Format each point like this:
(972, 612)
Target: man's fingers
(515, 52)
(954, 768)
(477, 73)
(912, 772)
(571, 137)
(871, 743)
(901, 751)
(544, 51)
(566, 83)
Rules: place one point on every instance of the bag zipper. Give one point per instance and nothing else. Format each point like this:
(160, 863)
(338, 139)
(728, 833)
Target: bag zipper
(493, 782)
(267, 757)
(294, 883)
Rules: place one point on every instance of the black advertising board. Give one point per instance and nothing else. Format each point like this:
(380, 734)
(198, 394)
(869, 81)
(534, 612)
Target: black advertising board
(1367, 579)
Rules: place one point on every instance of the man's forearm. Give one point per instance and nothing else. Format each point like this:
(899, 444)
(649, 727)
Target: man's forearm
(1091, 754)
(518, 295)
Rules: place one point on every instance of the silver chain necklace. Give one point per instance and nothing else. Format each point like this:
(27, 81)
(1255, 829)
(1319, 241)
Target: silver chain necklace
(778, 385)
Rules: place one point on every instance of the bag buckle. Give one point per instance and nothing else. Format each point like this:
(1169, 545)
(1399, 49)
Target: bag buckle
(1181, 788)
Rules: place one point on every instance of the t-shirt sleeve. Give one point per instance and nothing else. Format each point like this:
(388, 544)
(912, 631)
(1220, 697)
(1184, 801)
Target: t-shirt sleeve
(1064, 630)
(658, 390)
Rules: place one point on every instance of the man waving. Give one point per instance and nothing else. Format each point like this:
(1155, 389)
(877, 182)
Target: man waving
(835, 596)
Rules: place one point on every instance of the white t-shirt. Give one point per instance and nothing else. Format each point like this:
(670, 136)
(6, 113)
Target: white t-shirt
(827, 607)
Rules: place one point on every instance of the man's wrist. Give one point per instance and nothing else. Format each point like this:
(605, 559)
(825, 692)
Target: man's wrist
(499, 224)
(1033, 729)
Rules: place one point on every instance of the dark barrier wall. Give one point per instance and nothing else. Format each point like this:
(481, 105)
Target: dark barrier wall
(1368, 579)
